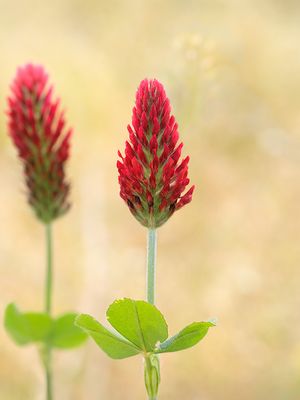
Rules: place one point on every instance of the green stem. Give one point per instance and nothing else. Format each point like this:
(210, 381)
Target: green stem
(152, 368)
(48, 375)
(151, 264)
(48, 307)
(48, 291)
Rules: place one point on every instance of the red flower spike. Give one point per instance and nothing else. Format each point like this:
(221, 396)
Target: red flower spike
(37, 129)
(151, 178)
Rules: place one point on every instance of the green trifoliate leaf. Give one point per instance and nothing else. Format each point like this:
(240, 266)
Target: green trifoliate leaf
(64, 334)
(139, 322)
(188, 337)
(114, 346)
(25, 328)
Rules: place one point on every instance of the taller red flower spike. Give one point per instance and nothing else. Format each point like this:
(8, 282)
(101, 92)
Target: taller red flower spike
(37, 128)
(151, 176)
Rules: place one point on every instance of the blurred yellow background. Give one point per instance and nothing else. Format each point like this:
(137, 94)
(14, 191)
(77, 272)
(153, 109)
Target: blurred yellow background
(232, 71)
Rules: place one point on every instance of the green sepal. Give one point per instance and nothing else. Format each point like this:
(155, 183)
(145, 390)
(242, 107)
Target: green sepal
(26, 328)
(113, 345)
(139, 322)
(64, 334)
(187, 337)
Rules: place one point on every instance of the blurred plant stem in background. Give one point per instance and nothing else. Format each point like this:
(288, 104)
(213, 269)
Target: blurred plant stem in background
(48, 307)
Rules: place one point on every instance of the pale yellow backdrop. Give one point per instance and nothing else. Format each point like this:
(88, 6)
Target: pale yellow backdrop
(232, 71)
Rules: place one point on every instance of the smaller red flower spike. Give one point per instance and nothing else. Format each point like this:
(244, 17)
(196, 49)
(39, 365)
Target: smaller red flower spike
(151, 176)
(37, 128)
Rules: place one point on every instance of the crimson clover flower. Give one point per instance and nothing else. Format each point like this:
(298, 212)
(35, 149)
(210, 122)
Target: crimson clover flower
(37, 128)
(151, 176)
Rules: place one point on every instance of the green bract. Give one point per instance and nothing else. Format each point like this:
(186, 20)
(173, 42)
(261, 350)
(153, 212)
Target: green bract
(37, 327)
(139, 327)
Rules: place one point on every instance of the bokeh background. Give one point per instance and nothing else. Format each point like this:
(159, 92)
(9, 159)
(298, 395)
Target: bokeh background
(232, 71)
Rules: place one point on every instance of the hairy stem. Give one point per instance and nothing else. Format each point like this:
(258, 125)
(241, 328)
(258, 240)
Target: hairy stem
(151, 264)
(152, 368)
(49, 273)
(48, 307)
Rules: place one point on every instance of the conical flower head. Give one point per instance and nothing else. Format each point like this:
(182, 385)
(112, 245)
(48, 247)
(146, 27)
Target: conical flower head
(152, 175)
(37, 129)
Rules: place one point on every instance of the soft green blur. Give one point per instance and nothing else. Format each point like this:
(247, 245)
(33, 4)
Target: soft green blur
(232, 71)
